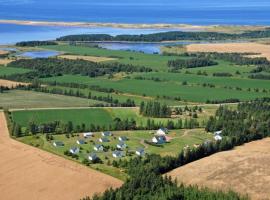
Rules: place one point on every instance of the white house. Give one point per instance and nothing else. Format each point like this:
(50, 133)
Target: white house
(80, 142)
(106, 134)
(218, 137)
(88, 135)
(117, 154)
(162, 132)
(217, 132)
(104, 139)
(121, 145)
(122, 138)
(93, 157)
(74, 150)
(140, 152)
(98, 147)
(159, 139)
(58, 144)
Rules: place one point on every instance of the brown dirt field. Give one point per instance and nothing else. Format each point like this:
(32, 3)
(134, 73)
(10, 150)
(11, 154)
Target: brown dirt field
(29, 173)
(256, 48)
(10, 84)
(5, 61)
(3, 52)
(87, 58)
(244, 170)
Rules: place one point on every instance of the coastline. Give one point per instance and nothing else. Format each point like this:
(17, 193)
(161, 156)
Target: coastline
(183, 27)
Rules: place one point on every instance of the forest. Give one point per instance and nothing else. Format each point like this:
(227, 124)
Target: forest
(34, 43)
(167, 36)
(47, 67)
(190, 63)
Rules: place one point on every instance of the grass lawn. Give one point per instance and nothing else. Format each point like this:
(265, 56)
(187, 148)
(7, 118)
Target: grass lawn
(178, 140)
(29, 99)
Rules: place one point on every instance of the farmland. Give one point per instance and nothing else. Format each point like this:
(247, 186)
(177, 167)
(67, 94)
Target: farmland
(5, 71)
(244, 170)
(102, 117)
(27, 99)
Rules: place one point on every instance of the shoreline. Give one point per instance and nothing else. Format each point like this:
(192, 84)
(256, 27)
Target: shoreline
(183, 27)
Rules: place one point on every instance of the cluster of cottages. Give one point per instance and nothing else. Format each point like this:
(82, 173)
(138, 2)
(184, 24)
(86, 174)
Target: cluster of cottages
(100, 148)
(160, 136)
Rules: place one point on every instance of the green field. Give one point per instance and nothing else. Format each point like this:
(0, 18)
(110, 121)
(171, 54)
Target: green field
(170, 84)
(102, 117)
(156, 62)
(178, 140)
(6, 71)
(191, 93)
(28, 99)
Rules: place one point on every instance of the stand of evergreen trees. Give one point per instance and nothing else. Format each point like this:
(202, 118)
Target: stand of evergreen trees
(190, 63)
(58, 127)
(46, 67)
(155, 109)
(34, 43)
(167, 36)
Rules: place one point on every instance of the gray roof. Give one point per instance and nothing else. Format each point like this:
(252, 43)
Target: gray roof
(104, 139)
(118, 153)
(141, 150)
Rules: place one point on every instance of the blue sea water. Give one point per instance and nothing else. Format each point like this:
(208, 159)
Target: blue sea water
(201, 12)
(196, 12)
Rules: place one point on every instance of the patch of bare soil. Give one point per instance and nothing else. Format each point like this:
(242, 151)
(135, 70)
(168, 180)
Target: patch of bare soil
(10, 84)
(87, 58)
(259, 50)
(29, 173)
(245, 170)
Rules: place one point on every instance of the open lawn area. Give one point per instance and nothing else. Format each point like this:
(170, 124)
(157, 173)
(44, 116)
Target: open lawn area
(178, 139)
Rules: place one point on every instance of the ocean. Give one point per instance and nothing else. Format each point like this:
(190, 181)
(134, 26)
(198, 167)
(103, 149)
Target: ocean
(195, 12)
(199, 12)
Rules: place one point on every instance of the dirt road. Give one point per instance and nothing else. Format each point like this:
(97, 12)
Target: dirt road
(28, 173)
(244, 170)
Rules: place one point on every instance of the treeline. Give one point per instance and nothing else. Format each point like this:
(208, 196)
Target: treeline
(56, 67)
(148, 186)
(260, 76)
(249, 122)
(190, 63)
(222, 74)
(166, 36)
(59, 127)
(232, 100)
(34, 43)
(155, 109)
(77, 93)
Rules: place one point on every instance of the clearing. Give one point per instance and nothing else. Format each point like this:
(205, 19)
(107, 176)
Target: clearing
(261, 49)
(37, 168)
(87, 58)
(244, 170)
